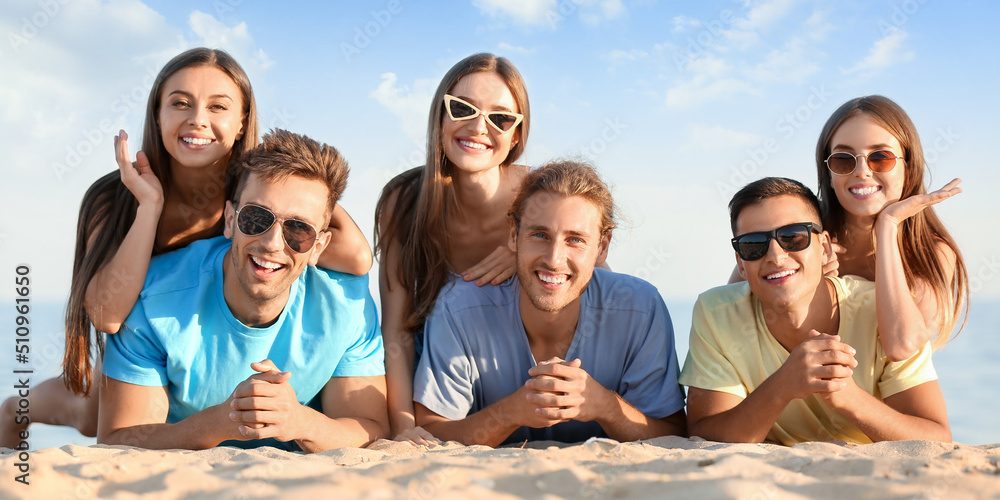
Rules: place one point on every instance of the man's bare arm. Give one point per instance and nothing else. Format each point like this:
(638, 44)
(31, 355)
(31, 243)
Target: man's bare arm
(135, 415)
(916, 413)
(490, 426)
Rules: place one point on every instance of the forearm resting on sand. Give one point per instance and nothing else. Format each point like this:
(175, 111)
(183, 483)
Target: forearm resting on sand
(134, 415)
(490, 426)
(626, 423)
(916, 413)
(720, 416)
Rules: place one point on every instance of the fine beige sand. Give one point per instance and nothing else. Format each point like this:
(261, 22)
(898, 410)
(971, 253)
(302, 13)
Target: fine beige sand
(669, 467)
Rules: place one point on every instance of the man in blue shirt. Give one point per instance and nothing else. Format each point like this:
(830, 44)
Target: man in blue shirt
(562, 351)
(237, 339)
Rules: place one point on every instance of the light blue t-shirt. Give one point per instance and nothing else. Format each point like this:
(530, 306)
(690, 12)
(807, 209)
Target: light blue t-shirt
(476, 351)
(182, 335)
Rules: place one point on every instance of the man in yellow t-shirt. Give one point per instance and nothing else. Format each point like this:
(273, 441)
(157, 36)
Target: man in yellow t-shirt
(790, 356)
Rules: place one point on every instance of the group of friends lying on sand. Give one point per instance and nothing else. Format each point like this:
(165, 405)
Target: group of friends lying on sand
(252, 323)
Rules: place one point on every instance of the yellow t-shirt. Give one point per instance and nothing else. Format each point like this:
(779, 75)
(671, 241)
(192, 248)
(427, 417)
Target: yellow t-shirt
(733, 351)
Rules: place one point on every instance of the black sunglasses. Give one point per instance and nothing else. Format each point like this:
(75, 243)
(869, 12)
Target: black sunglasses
(793, 238)
(298, 235)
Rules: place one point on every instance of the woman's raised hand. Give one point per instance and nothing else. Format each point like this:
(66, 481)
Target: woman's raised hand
(495, 268)
(896, 213)
(139, 179)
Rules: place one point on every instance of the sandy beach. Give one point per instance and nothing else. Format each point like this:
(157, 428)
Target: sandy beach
(664, 467)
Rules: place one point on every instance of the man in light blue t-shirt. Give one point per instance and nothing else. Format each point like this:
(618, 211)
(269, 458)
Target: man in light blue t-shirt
(562, 351)
(241, 340)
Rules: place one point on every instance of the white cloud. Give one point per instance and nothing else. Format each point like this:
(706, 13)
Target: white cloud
(595, 12)
(818, 26)
(765, 15)
(715, 138)
(885, 52)
(550, 13)
(712, 79)
(726, 56)
(682, 23)
(621, 57)
(700, 90)
(236, 40)
(760, 19)
(793, 64)
(514, 49)
(530, 12)
(410, 106)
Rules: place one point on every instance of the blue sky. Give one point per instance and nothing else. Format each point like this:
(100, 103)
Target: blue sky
(677, 103)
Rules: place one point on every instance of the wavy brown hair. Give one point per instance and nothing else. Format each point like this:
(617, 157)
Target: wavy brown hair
(424, 196)
(108, 209)
(918, 234)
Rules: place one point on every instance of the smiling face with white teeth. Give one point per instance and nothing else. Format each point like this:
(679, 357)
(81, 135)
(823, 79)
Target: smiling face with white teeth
(864, 193)
(259, 270)
(200, 117)
(473, 145)
(782, 279)
(558, 245)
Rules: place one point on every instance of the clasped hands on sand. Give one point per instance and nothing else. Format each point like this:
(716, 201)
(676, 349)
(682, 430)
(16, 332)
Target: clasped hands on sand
(559, 391)
(821, 365)
(265, 405)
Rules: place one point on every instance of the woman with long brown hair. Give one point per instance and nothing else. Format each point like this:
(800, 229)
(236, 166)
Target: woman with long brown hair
(874, 203)
(200, 120)
(449, 216)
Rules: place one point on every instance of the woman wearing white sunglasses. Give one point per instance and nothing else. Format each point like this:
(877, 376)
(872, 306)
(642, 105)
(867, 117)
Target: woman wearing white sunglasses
(449, 216)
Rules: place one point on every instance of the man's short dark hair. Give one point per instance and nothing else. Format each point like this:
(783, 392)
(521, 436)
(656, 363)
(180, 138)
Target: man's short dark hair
(282, 153)
(769, 187)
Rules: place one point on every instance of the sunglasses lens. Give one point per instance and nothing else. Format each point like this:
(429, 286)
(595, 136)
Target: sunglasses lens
(881, 161)
(299, 235)
(841, 163)
(752, 246)
(458, 110)
(503, 121)
(794, 238)
(254, 220)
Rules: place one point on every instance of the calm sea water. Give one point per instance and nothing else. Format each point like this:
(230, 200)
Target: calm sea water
(967, 368)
